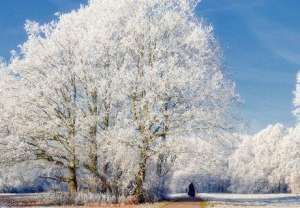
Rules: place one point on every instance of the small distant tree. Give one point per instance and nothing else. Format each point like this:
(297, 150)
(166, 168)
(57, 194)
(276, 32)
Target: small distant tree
(297, 97)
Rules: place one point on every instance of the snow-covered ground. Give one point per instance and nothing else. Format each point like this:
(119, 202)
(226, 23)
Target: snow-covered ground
(279, 200)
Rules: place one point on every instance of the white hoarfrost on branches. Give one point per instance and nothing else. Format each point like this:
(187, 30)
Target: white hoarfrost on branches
(203, 162)
(131, 99)
(270, 160)
(100, 97)
(267, 162)
(255, 166)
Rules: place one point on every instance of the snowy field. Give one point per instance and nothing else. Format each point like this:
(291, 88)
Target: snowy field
(181, 200)
(242, 200)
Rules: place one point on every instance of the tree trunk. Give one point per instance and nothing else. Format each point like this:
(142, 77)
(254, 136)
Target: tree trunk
(92, 164)
(72, 167)
(72, 180)
(93, 157)
(140, 179)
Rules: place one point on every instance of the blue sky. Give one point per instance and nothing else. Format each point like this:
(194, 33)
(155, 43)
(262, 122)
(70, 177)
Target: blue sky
(260, 41)
(261, 44)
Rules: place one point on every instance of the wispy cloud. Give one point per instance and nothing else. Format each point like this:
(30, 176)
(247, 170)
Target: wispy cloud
(229, 5)
(65, 4)
(283, 41)
(273, 28)
(262, 49)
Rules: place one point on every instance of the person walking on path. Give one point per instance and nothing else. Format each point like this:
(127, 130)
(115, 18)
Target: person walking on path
(191, 191)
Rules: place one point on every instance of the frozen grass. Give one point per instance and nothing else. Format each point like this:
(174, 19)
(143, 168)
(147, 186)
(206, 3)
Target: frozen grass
(58, 199)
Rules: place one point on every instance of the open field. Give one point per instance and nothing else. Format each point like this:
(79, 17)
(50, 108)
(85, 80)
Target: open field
(174, 201)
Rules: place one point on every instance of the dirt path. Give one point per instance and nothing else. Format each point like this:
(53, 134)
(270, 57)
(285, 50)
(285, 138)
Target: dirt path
(187, 205)
(181, 204)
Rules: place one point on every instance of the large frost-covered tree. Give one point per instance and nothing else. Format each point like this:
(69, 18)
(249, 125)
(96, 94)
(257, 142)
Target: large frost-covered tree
(128, 76)
(176, 86)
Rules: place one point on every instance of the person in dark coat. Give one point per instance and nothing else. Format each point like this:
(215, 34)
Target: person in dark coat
(191, 191)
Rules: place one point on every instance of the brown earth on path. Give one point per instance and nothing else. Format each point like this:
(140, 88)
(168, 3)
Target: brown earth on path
(187, 205)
